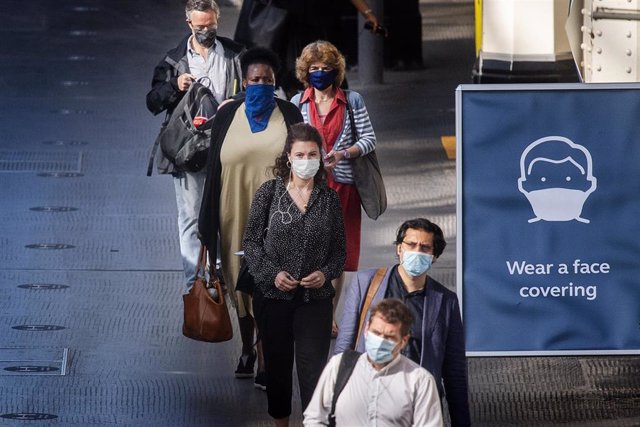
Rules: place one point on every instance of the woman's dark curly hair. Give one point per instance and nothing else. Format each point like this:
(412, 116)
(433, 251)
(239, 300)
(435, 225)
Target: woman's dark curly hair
(259, 55)
(298, 132)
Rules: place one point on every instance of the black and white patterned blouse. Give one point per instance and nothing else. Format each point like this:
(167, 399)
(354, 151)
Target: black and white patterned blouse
(279, 237)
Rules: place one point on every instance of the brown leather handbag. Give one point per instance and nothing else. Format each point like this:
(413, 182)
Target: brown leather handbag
(205, 318)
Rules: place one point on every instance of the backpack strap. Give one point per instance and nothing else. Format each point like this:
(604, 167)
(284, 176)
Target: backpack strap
(154, 149)
(347, 364)
(371, 291)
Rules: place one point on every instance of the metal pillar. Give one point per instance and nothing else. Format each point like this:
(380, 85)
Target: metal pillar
(371, 48)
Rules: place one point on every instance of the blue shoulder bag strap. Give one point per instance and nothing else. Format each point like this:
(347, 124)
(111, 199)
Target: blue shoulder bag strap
(347, 364)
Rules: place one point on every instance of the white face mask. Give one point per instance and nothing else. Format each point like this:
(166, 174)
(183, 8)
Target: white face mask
(305, 168)
(557, 204)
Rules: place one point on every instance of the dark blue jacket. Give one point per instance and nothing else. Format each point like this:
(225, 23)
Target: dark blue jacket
(443, 349)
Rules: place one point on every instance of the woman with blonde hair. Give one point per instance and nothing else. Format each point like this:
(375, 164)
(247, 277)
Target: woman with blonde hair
(342, 119)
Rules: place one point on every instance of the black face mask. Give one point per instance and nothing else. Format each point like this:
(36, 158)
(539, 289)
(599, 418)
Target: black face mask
(206, 38)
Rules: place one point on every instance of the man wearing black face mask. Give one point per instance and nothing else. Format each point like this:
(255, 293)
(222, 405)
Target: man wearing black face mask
(214, 61)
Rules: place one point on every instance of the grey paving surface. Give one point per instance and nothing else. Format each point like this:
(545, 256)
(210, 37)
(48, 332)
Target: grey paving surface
(90, 318)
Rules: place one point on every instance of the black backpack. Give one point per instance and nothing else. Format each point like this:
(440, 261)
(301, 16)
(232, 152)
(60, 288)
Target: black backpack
(183, 142)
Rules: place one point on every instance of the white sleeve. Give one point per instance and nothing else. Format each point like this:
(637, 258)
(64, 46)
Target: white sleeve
(427, 411)
(317, 412)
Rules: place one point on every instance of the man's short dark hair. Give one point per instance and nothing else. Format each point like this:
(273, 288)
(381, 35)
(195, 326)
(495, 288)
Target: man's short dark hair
(392, 310)
(201, 6)
(425, 225)
(259, 55)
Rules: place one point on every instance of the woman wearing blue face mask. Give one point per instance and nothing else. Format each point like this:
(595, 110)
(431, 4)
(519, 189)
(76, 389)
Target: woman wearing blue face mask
(294, 246)
(436, 338)
(321, 68)
(247, 133)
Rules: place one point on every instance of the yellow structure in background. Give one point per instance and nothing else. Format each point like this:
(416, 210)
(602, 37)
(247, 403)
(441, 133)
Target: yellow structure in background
(449, 145)
(478, 11)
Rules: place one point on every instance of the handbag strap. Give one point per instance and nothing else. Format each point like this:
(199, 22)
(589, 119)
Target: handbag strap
(352, 120)
(201, 267)
(373, 288)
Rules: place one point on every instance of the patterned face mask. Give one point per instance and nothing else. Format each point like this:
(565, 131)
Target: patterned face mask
(206, 37)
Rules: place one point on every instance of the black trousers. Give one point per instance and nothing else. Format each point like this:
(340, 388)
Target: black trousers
(294, 329)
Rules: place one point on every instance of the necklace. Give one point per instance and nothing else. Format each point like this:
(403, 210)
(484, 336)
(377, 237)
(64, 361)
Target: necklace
(320, 101)
(301, 198)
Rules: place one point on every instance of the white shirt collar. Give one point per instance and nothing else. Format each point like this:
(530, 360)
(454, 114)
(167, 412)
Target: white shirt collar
(216, 48)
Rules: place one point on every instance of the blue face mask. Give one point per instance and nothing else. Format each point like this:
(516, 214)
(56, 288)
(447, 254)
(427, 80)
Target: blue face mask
(416, 263)
(322, 79)
(378, 349)
(259, 104)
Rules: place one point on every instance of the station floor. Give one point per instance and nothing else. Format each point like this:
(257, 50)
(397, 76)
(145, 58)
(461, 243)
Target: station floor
(90, 276)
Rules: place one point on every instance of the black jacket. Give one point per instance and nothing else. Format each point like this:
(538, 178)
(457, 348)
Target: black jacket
(165, 95)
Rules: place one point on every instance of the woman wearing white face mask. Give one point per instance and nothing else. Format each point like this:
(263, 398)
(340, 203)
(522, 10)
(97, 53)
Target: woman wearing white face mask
(342, 119)
(294, 246)
(436, 339)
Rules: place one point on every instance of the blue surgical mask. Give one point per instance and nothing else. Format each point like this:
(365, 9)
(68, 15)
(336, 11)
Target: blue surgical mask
(378, 349)
(416, 263)
(259, 104)
(322, 79)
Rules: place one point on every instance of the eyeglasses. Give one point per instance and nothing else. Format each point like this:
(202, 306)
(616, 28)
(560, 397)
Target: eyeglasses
(314, 68)
(417, 246)
(203, 28)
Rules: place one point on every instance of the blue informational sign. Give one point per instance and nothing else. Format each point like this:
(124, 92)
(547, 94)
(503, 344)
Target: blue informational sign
(549, 218)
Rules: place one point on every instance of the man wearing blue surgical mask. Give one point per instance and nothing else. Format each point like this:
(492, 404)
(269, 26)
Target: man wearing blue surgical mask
(436, 339)
(384, 387)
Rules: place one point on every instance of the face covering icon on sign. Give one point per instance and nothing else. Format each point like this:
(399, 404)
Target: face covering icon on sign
(556, 177)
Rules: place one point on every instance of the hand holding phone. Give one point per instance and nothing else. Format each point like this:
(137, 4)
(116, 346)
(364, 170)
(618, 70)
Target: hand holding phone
(380, 30)
(329, 157)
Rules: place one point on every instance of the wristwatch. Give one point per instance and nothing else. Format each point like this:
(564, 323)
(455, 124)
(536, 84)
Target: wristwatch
(346, 154)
